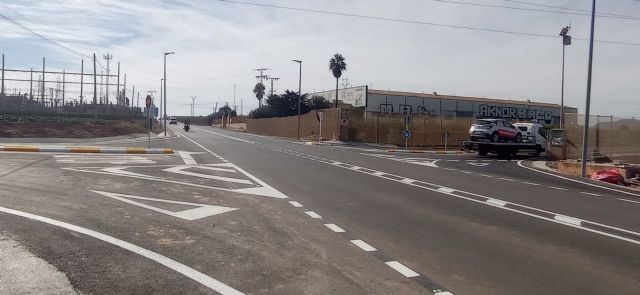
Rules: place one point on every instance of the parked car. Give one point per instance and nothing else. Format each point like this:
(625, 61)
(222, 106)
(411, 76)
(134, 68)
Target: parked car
(495, 130)
(533, 133)
(173, 120)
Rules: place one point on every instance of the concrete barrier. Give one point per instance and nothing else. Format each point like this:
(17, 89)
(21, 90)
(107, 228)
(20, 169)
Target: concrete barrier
(84, 149)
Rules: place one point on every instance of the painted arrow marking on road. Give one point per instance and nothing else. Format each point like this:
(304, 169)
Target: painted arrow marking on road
(478, 164)
(201, 210)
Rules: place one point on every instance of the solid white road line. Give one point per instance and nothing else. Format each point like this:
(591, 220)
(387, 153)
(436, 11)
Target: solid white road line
(632, 201)
(559, 188)
(313, 214)
(378, 173)
(591, 194)
(578, 181)
(295, 204)
(446, 190)
(408, 180)
(569, 220)
(334, 228)
(363, 245)
(189, 272)
(399, 267)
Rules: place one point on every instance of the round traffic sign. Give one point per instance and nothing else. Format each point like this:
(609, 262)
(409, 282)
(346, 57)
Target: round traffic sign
(148, 101)
(406, 134)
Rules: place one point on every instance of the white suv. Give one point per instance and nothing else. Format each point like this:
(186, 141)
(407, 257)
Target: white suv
(533, 133)
(495, 130)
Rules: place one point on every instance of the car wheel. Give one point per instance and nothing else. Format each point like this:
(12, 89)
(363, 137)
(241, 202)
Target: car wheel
(518, 138)
(495, 137)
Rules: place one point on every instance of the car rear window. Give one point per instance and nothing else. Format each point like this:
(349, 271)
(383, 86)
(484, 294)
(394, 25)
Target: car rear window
(482, 122)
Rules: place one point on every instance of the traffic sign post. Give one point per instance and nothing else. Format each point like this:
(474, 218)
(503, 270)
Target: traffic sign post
(406, 134)
(148, 103)
(320, 116)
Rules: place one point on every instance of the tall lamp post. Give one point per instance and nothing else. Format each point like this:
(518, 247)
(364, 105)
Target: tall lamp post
(585, 133)
(161, 83)
(165, 91)
(566, 40)
(299, 92)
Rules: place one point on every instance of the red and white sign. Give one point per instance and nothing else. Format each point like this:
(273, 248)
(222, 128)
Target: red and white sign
(148, 101)
(319, 115)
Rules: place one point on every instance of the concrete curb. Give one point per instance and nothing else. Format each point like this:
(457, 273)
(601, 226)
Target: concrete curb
(424, 152)
(84, 149)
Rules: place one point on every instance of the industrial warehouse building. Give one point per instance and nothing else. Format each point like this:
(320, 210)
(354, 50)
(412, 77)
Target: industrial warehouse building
(446, 105)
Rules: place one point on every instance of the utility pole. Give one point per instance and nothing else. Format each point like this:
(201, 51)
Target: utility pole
(193, 101)
(95, 88)
(124, 90)
(118, 98)
(108, 57)
(133, 94)
(262, 76)
(81, 79)
(138, 100)
(585, 134)
(31, 86)
(161, 80)
(43, 90)
(566, 40)
(165, 90)
(241, 107)
(234, 96)
(272, 78)
(299, 93)
(63, 82)
(2, 89)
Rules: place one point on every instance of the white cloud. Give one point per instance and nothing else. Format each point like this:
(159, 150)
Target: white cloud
(218, 44)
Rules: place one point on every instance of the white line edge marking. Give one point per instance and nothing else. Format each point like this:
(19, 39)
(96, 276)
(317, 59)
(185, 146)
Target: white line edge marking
(568, 219)
(295, 204)
(335, 228)
(559, 188)
(591, 194)
(632, 201)
(187, 271)
(402, 269)
(363, 245)
(637, 242)
(578, 181)
(313, 214)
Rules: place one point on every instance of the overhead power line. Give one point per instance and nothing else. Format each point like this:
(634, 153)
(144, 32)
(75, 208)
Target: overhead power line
(587, 13)
(418, 22)
(572, 9)
(48, 39)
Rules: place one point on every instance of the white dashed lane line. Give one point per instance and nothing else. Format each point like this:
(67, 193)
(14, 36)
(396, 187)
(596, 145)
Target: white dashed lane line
(591, 194)
(295, 204)
(313, 214)
(530, 183)
(632, 201)
(402, 269)
(363, 245)
(559, 188)
(334, 228)
(507, 179)
(484, 175)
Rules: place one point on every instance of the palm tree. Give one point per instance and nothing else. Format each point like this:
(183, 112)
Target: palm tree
(258, 90)
(336, 66)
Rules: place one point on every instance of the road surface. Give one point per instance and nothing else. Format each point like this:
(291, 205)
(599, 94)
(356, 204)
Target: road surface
(234, 213)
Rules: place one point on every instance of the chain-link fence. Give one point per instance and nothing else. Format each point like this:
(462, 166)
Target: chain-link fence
(610, 138)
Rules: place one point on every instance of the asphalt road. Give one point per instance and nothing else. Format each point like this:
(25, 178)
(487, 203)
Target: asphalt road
(262, 215)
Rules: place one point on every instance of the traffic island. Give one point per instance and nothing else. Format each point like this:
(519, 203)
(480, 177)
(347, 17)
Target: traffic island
(84, 149)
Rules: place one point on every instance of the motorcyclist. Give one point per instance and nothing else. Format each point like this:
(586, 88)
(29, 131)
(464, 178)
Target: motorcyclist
(186, 125)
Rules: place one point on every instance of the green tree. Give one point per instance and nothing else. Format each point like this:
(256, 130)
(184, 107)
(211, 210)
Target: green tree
(258, 90)
(336, 66)
(287, 104)
(318, 103)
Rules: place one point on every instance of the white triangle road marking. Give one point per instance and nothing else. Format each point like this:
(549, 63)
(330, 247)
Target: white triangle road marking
(201, 210)
(120, 170)
(180, 170)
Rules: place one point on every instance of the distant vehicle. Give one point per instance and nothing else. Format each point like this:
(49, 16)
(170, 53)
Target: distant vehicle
(173, 120)
(533, 133)
(495, 130)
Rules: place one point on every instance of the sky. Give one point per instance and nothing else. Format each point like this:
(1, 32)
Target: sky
(219, 44)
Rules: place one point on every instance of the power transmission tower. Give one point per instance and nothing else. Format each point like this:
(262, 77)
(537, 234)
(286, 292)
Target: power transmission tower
(272, 78)
(345, 83)
(108, 57)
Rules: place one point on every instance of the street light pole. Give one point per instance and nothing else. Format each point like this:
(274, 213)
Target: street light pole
(165, 91)
(566, 40)
(299, 92)
(585, 134)
(161, 86)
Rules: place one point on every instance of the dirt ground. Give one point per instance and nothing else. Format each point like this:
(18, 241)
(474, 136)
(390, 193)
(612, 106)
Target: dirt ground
(71, 130)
